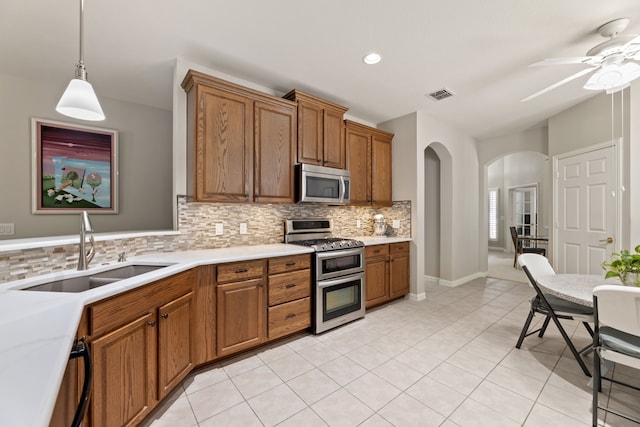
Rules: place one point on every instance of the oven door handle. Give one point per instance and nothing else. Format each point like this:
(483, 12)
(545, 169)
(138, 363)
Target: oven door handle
(340, 280)
(340, 253)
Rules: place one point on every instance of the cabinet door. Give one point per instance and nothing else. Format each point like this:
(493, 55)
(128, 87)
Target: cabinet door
(399, 275)
(241, 316)
(358, 162)
(275, 153)
(376, 281)
(310, 130)
(223, 153)
(174, 343)
(380, 170)
(124, 372)
(334, 145)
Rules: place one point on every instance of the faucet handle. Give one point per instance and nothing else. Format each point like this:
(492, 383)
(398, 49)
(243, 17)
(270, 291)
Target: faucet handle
(122, 257)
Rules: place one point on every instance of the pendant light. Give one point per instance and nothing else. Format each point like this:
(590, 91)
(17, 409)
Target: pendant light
(79, 100)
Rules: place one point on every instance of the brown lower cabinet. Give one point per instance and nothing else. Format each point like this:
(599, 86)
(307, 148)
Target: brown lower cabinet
(145, 341)
(140, 345)
(386, 272)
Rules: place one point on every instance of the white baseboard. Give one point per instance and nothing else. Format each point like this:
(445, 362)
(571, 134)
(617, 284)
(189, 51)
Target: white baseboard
(496, 249)
(462, 280)
(418, 297)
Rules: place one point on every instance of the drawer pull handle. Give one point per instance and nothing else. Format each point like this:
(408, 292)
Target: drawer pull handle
(290, 316)
(165, 316)
(242, 270)
(377, 251)
(290, 285)
(290, 264)
(152, 323)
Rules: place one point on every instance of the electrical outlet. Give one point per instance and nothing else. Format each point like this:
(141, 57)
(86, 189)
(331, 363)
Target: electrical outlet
(219, 230)
(6, 229)
(396, 223)
(358, 223)
(243, 228)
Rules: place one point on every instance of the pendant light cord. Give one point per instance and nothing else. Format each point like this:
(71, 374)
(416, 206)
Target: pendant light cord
(81, 72)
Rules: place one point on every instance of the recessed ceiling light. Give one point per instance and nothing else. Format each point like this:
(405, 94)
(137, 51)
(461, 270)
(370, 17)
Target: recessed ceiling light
(372, 58)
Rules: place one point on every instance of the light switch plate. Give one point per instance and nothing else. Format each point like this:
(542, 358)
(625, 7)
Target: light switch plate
(358, 223)
(219, 230)
(396, 223)
(243, 228)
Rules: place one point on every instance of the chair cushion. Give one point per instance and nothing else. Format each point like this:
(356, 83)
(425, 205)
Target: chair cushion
(562, 306)
(619, 341)
(540, 251)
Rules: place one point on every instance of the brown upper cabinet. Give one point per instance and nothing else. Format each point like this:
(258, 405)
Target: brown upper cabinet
(241, 143)
(368, 157)
(320, 130)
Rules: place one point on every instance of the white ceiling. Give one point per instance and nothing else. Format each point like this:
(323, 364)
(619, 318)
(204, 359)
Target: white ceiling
(480, 50)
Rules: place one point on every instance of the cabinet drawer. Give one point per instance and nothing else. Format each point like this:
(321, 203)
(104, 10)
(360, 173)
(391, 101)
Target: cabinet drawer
(289, 317)
(289, 263)
(237, 271)
(106, 315)
(398, 248)
(376, 250)
(289, 286)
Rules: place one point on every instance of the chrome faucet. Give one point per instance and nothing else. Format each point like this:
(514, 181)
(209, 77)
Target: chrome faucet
(85, 256)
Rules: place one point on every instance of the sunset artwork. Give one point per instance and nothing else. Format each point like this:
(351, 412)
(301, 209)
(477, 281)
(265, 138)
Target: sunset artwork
(75, 168)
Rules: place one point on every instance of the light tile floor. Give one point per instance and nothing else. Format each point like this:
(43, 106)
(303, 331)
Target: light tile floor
(447, 361)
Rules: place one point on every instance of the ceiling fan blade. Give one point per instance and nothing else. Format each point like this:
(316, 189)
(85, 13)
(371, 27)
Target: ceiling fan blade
(565, 60)
(560, 83)
(635, 40)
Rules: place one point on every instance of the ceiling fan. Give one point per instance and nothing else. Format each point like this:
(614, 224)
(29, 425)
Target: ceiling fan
(614, 61)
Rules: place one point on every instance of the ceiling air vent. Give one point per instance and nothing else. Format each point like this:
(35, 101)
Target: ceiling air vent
(440, 94)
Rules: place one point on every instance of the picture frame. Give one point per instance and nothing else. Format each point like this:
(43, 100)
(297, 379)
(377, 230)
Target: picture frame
(74, 168)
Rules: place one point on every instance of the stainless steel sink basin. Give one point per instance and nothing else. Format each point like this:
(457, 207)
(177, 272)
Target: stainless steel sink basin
(84, 283)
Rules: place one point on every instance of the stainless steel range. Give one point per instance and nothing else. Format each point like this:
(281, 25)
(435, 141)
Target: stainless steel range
(338, 294)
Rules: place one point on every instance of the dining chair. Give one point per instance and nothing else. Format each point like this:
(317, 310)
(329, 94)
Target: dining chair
(554, 308)
(616, 337)
(520, 248)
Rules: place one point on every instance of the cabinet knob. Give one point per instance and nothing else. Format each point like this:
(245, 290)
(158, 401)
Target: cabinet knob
(242, 270)
(290, 285)
(165, 315)
(152, 323)
(290, 264)
(290, 316)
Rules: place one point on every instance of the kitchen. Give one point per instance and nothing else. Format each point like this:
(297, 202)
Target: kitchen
(143, 128)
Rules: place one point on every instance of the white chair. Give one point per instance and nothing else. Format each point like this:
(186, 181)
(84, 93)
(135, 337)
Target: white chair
(552, 307)
(617, 336)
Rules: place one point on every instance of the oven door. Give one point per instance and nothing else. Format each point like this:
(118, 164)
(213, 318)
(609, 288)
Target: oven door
(338, 301)
(332, 264)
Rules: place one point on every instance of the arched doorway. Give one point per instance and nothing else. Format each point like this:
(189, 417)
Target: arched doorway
(517, 193)
(436, 221)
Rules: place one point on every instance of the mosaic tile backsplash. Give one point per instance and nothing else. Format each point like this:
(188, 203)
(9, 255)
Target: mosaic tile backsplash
(196, 225)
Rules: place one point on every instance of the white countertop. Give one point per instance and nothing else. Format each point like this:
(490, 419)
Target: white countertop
(370, 240)
(37, 329)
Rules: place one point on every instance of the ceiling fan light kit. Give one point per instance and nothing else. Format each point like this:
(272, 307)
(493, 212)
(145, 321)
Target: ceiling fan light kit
(614, 61)
(79, 99)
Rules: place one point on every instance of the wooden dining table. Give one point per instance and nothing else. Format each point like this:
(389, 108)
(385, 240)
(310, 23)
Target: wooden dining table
(576, 288)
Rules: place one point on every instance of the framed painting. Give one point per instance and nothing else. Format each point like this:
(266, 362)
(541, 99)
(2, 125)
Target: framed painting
(74, 168)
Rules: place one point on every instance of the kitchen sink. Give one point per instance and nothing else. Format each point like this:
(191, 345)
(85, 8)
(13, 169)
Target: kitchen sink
(84, 283)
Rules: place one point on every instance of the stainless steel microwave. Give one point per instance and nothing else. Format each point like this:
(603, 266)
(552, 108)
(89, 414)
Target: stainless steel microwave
(320, 184)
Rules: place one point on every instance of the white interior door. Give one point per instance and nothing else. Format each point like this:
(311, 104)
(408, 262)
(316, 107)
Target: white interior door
(586, 210)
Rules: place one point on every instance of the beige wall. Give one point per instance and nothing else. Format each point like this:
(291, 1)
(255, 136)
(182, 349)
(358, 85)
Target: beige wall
(144, 156)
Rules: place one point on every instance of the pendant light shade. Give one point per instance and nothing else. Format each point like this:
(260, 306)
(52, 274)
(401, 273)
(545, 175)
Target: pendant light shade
(79, 100)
